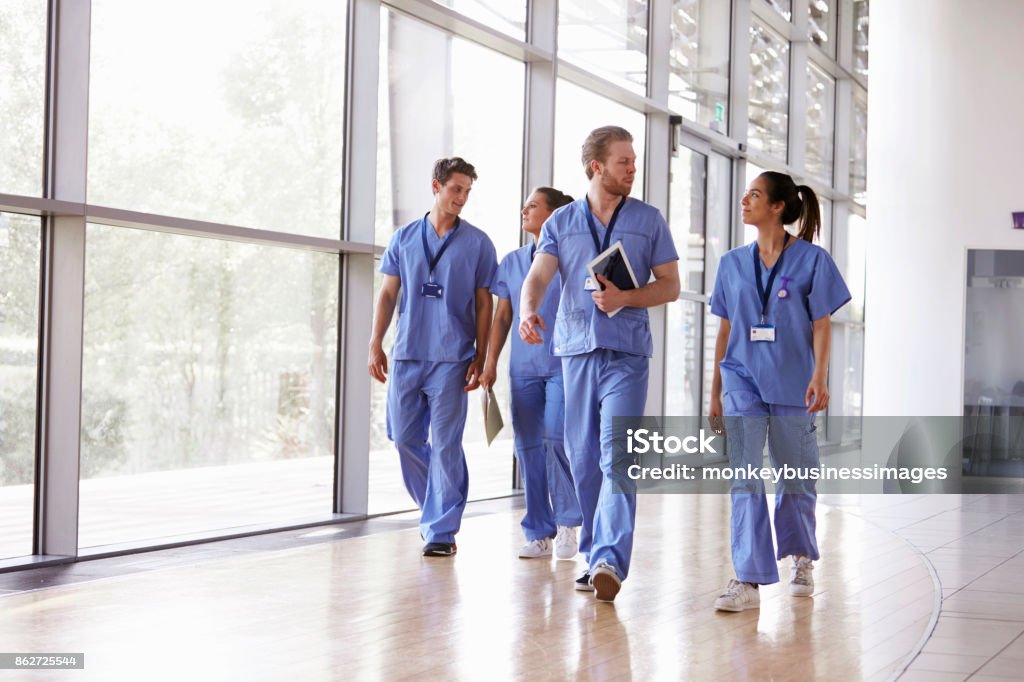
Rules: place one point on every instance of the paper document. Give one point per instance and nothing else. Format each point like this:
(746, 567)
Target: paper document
(613, 265)
(493, 423)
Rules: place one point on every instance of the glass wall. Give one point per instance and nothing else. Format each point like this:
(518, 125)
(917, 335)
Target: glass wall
(821, 24)
(577, 112)
(508, 16)
(478, 116)
(208, 375)
(820, 130)
(699, 61)
(211, 351)
(227, 111)
(769, 91)
(22, 95)
(607, 38)
(19, 330)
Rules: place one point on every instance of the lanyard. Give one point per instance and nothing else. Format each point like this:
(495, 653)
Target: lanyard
(432, 259)
(611, 224)
(533, 250)
(761, 292)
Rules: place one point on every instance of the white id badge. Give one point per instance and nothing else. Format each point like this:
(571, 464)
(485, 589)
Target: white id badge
(589, 285)
(762, 332)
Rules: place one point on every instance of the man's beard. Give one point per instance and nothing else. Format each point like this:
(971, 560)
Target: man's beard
(621, 189)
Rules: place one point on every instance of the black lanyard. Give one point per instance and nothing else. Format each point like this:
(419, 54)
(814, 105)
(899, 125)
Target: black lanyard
(771, 275)
(533, 251)
(611, 224)
(432, 259)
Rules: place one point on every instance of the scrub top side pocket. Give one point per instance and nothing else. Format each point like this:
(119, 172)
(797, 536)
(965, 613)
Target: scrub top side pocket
(571, 332)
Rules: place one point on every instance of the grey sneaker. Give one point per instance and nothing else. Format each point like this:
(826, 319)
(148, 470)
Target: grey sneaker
(566, 544)
(801, 583)
(535, 549)
(738, 597)
(606, 582)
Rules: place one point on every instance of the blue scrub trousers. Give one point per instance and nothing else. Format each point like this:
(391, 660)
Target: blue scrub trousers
(600, 385)
(429, 397)
(791, 440)
(538, 419)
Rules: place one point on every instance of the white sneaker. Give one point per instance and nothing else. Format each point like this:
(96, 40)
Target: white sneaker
(535, 549)
(738, 597)
(801, 583)
(566, 545)
(606, 582)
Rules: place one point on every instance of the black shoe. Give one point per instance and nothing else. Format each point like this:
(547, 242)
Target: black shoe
(583, 583)
(439, 549)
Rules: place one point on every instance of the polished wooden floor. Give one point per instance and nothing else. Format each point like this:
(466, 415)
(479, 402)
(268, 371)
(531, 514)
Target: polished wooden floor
(371, 607)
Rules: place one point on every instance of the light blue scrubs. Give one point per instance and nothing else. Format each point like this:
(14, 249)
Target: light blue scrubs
(435, 342)
(764, 385)
(538, 409)
(605, 367)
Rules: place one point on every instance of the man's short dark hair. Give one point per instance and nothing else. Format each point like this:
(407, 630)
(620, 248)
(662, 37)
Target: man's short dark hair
(443, 169)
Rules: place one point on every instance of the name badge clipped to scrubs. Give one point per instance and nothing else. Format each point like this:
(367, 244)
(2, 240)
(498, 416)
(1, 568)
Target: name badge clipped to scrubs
(589, 284)
(432, 289)
(765, 333)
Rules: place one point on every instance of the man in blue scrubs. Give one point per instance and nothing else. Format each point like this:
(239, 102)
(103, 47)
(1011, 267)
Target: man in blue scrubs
(604, 358)
(442, 267)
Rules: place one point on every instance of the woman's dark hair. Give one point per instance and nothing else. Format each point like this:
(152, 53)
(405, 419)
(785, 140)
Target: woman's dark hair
(554, 198)
(801, 203)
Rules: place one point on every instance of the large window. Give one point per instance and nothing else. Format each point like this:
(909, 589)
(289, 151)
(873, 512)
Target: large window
(579, 111)
(860, 38)
(687, 193)
(475, 111)
(607, 38)
(821, 97)
(859, 149)
(699, 61)
(22, 95)
(769, 91)
(508, 16)
(19, 323)
(208, 385)
(225, 111)
(821, 24)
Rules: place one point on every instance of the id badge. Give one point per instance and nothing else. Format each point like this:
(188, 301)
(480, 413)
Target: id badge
(431, 290)
(762, 333)
(589, 284)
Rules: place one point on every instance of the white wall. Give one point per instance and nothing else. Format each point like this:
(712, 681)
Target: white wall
(945, 170)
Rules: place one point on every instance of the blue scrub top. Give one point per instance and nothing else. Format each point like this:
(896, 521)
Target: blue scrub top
(439, 329)
(580, 326)
(781, 370)
(527, 360)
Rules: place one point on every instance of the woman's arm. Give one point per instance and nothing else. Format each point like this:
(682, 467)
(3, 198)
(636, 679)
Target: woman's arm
(721, 344)
(499, 332)
(818, 388)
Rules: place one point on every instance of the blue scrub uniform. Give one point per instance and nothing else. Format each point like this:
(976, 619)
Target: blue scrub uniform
(538, 409)
(435, 343)
(604, 366)
(764, 385)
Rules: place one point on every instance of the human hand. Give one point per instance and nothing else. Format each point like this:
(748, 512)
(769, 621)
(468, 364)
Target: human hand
(611, 298)
(818, 390)
(528, 331)
(378, 363)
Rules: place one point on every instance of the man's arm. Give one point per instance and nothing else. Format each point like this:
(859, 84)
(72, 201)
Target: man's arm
(378, 362)
(484, 309)
(663, 289)
(499, 332)
(536, 285)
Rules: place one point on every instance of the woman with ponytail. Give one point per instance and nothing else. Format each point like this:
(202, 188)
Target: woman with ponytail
(538, 399)
(776, 297)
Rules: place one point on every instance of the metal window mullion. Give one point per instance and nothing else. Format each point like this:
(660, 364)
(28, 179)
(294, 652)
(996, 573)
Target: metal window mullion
(656, 172)
(539, 100)
(356, 272)
(62, 274)
(797, 143)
